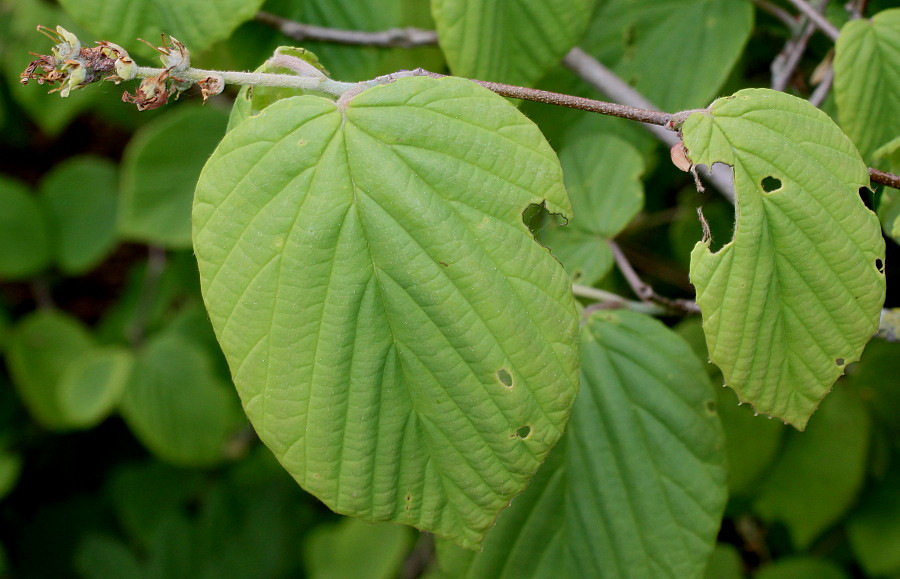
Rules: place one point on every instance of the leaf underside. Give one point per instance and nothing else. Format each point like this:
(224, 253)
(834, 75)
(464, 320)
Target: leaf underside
(795, 296)
(398, 339)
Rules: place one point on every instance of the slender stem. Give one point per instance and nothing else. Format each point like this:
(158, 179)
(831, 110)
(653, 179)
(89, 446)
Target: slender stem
(156, 265)
(786, 62)
(43, 296)
(821, 23)
(616, 300)
(322, 84)
(643, 290)
(394, 37)
(818, 96)
(778, 12)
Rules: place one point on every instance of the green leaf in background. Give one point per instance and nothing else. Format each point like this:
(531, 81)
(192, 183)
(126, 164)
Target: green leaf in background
(92, 385)
(176, 405)
(398, 338)
(159, 171)
(819, 473)
(42, 347)
(801, 568)
(874, 527)
(354, 548)
(357, 63)
(81, 198)
(10, 467)
(797, 293)
(603, 178)
(888, 156)
(512, 41)
(677, 53)
(25, 235)
(724, 563)
(867, 80)
(196, 23)
(637, 488)
(102, 557)
(875, 380)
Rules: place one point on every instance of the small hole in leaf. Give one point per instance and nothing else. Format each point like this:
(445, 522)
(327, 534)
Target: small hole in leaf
(523, 432)
(505, 378)
(770, 184)
(879, 265)
(711, 407)
(839, 361)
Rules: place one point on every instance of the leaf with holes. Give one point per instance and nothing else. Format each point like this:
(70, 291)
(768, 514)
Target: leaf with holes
(797, 293)
(398, 338)
(514, 41)
(603, 177)
(867, 80)
(637, 487)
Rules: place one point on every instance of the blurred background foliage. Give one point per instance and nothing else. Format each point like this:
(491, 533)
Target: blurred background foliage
(123, 448)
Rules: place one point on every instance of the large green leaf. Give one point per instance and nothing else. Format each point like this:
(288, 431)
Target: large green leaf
(797, 293)
(677, 53)
(874, 527)
(637, 488)
(80, 196)
(399, 340)
(867, 80)
(819, 473)
(514, 41)
(603, 177)
(159, 171)
(196, 23)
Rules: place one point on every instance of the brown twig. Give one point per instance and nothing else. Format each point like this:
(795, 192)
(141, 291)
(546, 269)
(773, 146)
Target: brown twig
(394, 37)
(821, 23)
(778, 12)
(643, 290)
(784, 65)
(883, 178)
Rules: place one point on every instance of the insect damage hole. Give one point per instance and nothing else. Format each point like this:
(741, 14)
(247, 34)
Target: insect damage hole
(523, 431)
(505, 377)
(771, 184)
(879, 265)
(839, 361)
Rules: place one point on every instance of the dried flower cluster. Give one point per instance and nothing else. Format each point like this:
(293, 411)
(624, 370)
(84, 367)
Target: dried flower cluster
(74, 66)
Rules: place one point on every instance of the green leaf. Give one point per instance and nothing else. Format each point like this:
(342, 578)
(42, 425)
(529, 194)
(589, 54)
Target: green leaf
(677, 53)
(514, 41)
(389, 320)
(25, 242)
(159, 172)
(867, 80)
(603, 178)
(637, 488)
(819, 473)
(801, 568)
(889, 205)
(100, 556)
(353, 548)
(81, 198)
(176, 405)
(42, 347)
(797, 293)
(196, 23)
(874, 527)
(10, 467)
(92, 385)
